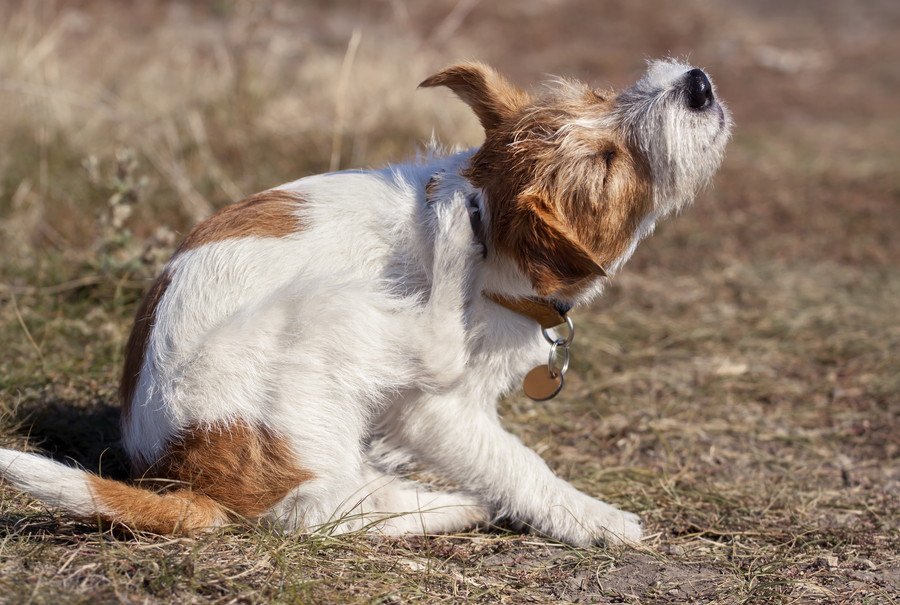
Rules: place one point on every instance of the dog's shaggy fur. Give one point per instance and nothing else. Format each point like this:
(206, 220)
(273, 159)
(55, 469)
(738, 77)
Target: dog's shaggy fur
(305, 345)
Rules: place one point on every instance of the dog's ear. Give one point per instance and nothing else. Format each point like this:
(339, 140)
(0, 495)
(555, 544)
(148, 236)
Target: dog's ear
(490, 95)
(545, 248)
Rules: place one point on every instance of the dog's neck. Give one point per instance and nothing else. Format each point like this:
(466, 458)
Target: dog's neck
(504, 284)
(546, 312)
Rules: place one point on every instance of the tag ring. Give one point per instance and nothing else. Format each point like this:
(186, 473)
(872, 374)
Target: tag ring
(561, 341)
(566, 357)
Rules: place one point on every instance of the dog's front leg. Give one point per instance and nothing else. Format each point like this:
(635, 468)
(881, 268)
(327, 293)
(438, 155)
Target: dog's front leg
(466, 443)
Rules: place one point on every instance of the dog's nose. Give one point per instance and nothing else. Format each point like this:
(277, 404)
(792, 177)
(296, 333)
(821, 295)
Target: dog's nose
(699, 90)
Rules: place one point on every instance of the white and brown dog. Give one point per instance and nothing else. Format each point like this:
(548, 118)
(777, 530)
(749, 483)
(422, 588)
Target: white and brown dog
(303, 345)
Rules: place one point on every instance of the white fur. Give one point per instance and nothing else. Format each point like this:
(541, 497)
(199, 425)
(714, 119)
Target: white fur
(365, 340)
(684, 146)
(49, 481)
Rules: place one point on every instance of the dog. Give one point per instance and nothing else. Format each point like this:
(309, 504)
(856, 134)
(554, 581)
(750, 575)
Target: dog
(302, 348)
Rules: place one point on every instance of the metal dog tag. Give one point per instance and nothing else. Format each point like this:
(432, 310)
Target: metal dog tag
(539, 384)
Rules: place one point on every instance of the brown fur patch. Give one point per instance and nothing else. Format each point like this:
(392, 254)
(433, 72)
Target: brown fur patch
(177, 512)
(270, 213)
(565, 192)
(490, 95)
(563, 203)
(136, 348)
(245, 469)
(546, 249)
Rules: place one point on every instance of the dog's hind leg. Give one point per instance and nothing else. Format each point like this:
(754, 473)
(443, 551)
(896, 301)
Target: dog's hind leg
(386, 505)
(444, 347)
(408, 507)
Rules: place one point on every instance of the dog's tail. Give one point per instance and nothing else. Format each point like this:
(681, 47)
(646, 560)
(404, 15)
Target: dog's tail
(88, 496)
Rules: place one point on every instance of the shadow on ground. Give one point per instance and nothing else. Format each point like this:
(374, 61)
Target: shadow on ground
(72, 432)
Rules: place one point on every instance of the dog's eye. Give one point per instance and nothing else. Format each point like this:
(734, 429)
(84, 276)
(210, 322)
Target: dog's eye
(608, 158)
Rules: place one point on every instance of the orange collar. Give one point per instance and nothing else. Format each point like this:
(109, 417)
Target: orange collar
(546, 313)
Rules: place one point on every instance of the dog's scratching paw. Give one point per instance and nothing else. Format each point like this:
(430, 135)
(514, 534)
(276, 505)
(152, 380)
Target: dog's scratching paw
(454, 233)
(432, 186)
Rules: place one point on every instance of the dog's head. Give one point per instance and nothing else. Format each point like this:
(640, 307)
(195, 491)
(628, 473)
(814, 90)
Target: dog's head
(571, 174)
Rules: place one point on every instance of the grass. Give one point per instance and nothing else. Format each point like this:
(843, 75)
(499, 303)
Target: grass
(738, 386)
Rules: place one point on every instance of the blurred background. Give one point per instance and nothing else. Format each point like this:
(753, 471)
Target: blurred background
(738, 386)
(218, 99)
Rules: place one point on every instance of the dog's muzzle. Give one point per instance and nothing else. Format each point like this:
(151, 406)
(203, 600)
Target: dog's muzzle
(698, 89)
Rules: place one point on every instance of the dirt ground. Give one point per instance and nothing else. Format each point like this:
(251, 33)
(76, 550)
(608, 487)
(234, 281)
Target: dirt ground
(737, 386)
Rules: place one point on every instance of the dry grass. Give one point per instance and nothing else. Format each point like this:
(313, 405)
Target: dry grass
(738, 386)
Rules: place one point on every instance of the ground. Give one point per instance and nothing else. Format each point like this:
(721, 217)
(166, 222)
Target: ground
(737, 386)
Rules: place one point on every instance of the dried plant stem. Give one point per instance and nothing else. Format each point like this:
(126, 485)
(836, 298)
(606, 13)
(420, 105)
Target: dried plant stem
(340, 104)
(28, 335)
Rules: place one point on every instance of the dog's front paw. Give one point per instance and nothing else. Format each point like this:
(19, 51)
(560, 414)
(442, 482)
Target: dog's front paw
(617, 527)
(599, 522)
